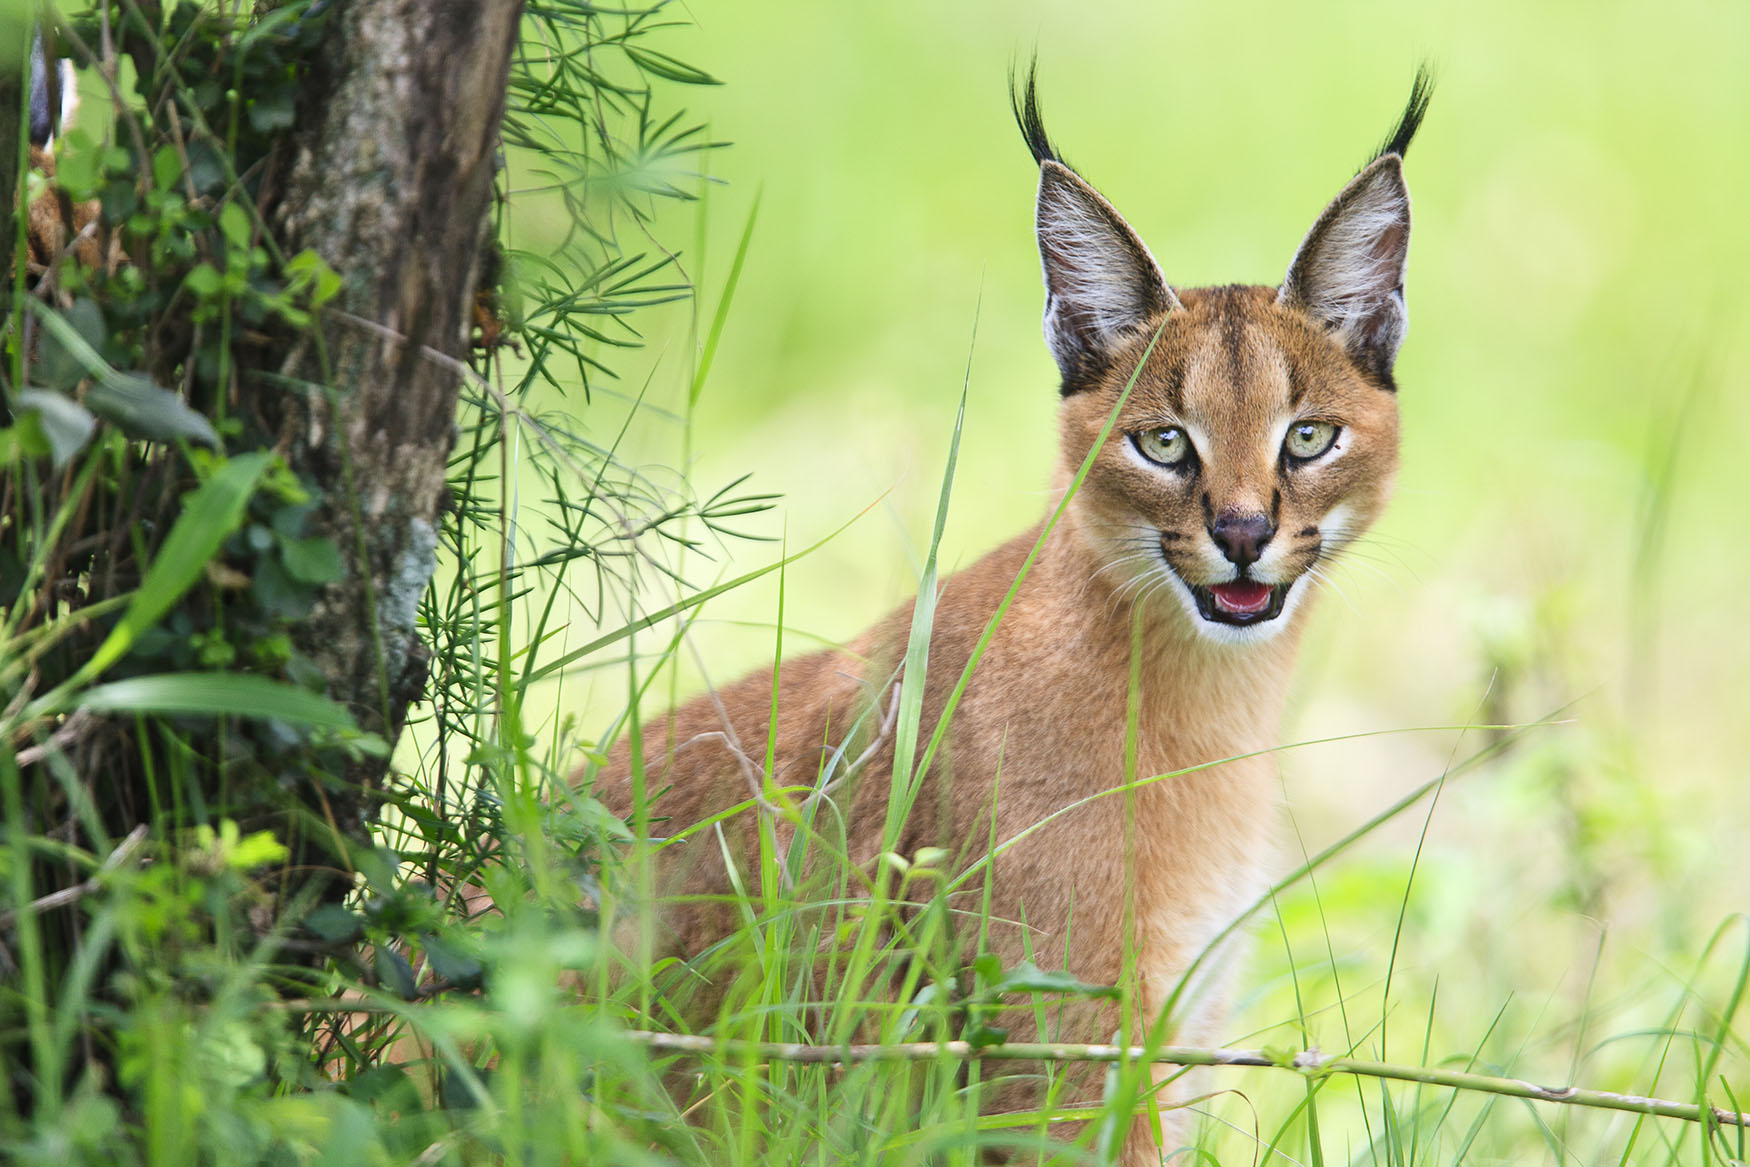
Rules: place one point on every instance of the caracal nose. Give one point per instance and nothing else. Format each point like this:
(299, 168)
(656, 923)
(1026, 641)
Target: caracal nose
(1242, 537)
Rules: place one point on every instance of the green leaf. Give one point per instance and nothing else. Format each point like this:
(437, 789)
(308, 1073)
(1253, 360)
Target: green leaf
(664, 65)
(315, 560)
(272, 110)
(209, 514)
(206, 168)
(460, 969)
(166, 168)
(234, 223)
(145, 410)
(79, 164)
(58, 366)
(64, 422)
(204, 280)
(335, 924)
(395, 974)
(309, 269)
(1028, 977)
(277, 592)
(216, 695)
(270, 25)
(256, 849)
(982, 1036)
(133, 402)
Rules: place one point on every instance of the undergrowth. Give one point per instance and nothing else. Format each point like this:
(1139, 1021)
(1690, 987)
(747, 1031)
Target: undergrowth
(494, 988)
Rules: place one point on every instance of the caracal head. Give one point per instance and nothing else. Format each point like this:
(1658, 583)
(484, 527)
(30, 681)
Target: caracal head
(1259, 432)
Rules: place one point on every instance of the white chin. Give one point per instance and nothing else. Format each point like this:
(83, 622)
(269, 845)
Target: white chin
(1237, 634)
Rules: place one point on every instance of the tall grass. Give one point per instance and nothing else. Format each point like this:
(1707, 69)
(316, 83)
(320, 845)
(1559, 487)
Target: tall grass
(1395, 1011)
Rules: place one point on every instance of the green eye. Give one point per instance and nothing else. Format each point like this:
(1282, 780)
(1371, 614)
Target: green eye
(1309, 439)
(1167, 445)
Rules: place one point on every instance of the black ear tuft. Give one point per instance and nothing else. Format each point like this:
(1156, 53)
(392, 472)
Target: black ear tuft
(1421, 89)
(1025, 103)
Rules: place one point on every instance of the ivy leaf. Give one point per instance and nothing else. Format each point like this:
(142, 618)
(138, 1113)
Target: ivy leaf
(65, 423)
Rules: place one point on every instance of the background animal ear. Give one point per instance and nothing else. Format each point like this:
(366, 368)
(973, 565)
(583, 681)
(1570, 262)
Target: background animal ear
(1349, 272)
(1100, 281)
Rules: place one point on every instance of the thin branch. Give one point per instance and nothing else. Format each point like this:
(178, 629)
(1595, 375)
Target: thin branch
(1310, 1062)
(69, 895)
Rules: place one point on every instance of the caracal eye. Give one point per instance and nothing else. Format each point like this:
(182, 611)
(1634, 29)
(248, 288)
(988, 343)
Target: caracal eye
(1167, 445)
(1309, 439)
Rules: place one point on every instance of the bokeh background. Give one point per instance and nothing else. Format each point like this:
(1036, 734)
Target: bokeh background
(1569, 534)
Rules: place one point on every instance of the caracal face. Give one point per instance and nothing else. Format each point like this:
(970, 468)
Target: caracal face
(1250, 449)
(1254, 428)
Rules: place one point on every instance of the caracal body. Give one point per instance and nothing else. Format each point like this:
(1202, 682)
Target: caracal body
(1258, 437)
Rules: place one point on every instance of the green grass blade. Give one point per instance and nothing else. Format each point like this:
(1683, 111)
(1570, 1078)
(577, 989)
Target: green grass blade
(210, 514)
(723, 302)
(216, 695)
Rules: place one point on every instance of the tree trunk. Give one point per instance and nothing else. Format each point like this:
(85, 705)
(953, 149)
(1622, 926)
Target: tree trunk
(391, 183)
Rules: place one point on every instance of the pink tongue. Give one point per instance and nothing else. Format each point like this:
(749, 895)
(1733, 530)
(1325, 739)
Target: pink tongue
(1242, 598)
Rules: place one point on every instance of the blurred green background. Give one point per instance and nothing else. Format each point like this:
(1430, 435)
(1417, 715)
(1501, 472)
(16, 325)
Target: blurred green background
(1569, 530)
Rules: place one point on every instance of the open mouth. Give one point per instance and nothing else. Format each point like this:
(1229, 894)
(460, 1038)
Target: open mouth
(1242, 602)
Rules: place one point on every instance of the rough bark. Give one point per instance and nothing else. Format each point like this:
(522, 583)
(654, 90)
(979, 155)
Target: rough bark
(391, 184)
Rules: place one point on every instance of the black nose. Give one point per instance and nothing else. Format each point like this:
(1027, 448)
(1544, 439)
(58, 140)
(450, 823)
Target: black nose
(1242, 537)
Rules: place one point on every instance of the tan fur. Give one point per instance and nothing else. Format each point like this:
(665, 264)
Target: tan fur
(1043, 720)
(58, 224)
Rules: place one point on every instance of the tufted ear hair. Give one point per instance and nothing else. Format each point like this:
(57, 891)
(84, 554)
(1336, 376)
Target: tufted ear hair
(1100, 280)
(1349, 272)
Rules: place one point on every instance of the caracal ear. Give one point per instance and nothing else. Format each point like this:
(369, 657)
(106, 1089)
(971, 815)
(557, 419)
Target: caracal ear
(1349, 272)
(1100, 281)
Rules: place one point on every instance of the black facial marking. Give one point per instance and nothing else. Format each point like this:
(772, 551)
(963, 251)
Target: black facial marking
(1233, 340)
(1306, 532)
(1208, 510)
(1297, 387)
(1173, 388)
